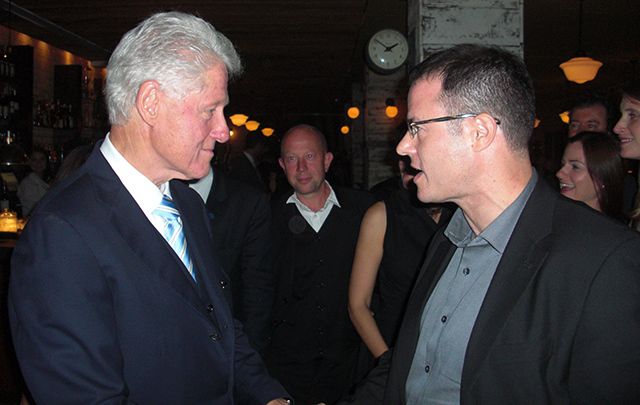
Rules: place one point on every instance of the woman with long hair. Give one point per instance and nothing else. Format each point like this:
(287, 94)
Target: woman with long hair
(628, 131)
(592, 172)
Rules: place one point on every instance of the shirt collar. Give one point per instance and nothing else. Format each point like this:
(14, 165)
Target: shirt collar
(332, 200)
(144, 191)
(498, 233)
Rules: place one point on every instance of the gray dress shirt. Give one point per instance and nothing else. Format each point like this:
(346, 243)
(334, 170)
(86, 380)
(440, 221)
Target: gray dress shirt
(452, 308)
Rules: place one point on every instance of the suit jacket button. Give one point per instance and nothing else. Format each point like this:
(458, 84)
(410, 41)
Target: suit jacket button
(210, 308)
(215, 337)
(223, 284)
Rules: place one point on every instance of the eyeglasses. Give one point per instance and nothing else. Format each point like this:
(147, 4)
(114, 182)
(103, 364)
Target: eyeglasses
(413, 127)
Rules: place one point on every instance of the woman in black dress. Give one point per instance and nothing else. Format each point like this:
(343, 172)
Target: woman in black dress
(393, 238)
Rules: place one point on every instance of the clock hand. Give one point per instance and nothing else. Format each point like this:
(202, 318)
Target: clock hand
(389, 48)
(385, 46)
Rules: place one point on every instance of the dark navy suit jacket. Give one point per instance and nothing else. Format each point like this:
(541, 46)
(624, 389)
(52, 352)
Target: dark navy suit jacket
(103, 311)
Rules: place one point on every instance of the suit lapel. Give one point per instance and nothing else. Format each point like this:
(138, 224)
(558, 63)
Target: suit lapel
(138, 233)
(197, 232)
(525, 253)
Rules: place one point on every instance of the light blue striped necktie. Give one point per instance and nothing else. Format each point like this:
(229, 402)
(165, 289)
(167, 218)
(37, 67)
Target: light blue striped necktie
(172, 231)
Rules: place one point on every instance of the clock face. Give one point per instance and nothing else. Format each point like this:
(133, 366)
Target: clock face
(387, 50)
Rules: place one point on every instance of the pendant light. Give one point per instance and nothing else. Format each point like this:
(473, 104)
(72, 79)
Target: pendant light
(581, 68)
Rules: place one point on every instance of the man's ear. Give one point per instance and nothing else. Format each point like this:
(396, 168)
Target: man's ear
(328, 158)
(148, 101)
(281, 163)
(484, 130)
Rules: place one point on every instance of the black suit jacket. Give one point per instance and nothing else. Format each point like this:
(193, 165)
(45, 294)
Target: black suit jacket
(240, 220)
(243, 170)
(103, 311)
(559, 323)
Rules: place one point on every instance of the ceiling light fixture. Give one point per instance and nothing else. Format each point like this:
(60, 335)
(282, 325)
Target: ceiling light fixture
(564, 116)
(581, 68)
(391, 110)
(252, 125)
(238, 119)
(353, 112)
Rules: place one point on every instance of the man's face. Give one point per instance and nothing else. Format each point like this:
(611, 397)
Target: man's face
(628, 128)
(591, 118)
(304, 162)
(38, 162)
(187, 129)
(441, 157)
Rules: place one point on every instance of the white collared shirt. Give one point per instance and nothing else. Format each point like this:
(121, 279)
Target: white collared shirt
(203, 186)
(315, 218)
(146, 194)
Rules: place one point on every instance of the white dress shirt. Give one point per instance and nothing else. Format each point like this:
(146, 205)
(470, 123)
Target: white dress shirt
(146, 194)
(315, 218)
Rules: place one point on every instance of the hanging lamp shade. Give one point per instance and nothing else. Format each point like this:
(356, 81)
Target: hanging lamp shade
(251, 125)
(344, 129)
(564, 116)
(353, 112)
(267, 132)
(391, 110)
(238, 119)
(536, 122)
(580, 69)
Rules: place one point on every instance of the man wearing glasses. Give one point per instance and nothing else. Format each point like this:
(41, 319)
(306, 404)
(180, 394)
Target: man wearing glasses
(526, 296)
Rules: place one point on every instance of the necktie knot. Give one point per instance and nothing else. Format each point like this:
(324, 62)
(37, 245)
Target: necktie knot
(167, 209)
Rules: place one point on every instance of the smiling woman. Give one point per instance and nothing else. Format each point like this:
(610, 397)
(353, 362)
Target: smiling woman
(628, 131)
(592, 172)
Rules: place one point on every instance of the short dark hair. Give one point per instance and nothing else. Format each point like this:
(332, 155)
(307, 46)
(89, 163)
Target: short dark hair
(477, 78)
(309, 128)
(591, 99)
(604, 164)
(632, 91)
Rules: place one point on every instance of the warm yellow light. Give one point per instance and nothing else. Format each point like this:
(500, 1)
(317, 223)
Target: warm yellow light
(391, 111)
(231, 133)
(536, 123)
(252, 125)
(580, 69)
(344, 129)
(267, 132)
(238, 119)
(353, 112)
(564, 116)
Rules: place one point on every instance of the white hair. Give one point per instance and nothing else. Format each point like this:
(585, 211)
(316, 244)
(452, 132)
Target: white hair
(173, 48)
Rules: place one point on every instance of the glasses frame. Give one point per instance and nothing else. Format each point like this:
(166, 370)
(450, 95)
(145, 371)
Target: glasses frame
(414, 126)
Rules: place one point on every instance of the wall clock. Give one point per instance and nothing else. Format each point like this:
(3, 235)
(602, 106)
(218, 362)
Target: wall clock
(387, 50)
